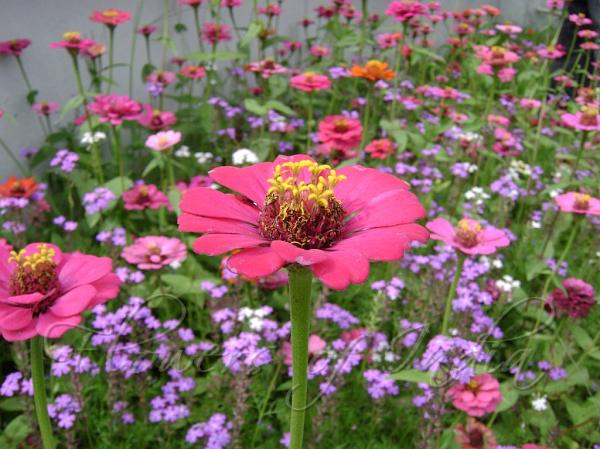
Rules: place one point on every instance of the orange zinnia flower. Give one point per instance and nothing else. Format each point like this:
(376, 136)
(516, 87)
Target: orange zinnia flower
(18, 188)
(374, 70)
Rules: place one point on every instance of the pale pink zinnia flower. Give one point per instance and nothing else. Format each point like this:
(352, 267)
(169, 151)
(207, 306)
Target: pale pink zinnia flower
(584, 120)
(578, 203)
(469, 237)
(43, 291)
(114, 109)
(45, 107)
(310, 81)
(266, 68)
(111, 17)
(163, 140)
(480, 396)
(404, 10)
(145, 196)
(337, 222)
(154, 252)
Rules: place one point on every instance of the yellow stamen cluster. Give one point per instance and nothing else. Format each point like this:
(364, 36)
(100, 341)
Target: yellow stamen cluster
(44, 256)
(71, 36)
(110, 13)
(582, 201)
(319, 189)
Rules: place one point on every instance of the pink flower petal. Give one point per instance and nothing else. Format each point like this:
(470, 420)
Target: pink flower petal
(82, 269)
(213, 244)
(53, 326)
(293, 254)
(249, 181)
(441, 229)
(494, 237)
(106, 288)
(208, 202)
(14, 318)
(30, 298)
(194, 223)
(255, 262)
(20, 334)
(74, 301)
(342, 268)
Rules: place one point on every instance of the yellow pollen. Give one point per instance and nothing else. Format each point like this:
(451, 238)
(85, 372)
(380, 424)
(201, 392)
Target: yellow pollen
(71, 36)
(286, 178)
(582, 201)
(473, 384)
(110, 13)
(45, 255)
(470, 226)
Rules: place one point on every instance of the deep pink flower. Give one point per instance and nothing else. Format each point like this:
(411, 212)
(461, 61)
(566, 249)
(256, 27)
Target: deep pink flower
(147, 30)
(584, 120)
(162, 77)
(192, 72)
(192, 3)
(114, 109)
(145, 196)
(154, 252)
(480, 396)
(335, 223)
(5, 246)
(315, 345)
(310, 81)
(578, 203)
(468, 237)
(576, 300)
(14, 47)
(495, 56)
(73, 42)
(580, 19)
(319, 51)
(380, 148)
(195, 181)
(475, 435)
(111, 17)
(389, 40)
(163, 140)
(156, 120)
(231, 3)
(43, 291)
(216, 32)
(404, 10)
(266, 68)
(45, 107)
(340, 132)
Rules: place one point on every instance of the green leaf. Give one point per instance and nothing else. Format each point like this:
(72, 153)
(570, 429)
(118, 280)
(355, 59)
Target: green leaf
(396, 132)
(31, 96)
(180, 284)
(280, 107)
(14, 433)
(255, 107)
(175, 199)
(216, 56)
(73, 103)
(253, 31)
(13, 404)
(413, 375)
(156, 162)
(510, 396)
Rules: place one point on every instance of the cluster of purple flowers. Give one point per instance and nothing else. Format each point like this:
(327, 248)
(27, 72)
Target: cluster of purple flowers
(64, 410)
(66, 361)
(336, 314)
(120, 408)
(380, 384)
(16, 384)
(67, 160)
(98, 200)
(66, 225)
(215, 291)
(116, 237)
(215, 431)
(391, 288)
(169, 407)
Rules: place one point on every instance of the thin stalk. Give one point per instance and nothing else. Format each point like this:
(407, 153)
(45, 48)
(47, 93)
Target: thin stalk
(579, 155)
(300, 279)
(39, 392)
(29, 90)
(450, 297)
(563, 256)
(136, 24)
(197, 24)
(12, 157)
(309, 120)
(111, 51)
(118, 155)
(234, 23)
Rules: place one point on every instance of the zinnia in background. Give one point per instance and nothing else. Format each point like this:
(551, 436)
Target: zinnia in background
(578, 203)
(310, 81)
(164, 140)
(153, 252)
(477, 398)
(469, 236)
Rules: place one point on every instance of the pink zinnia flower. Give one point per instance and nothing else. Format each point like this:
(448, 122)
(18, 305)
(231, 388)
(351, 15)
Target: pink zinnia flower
(468, 237)
(163, 140)
(495, 56)
(576, 300)
(475, 435)
(43, 291)
(578, 203)
(145, 196)
(319, 51)
(580, 19)
(111, 17)
(552, 52)
(509, 29)
(73, 42)
(404, 10)
(114, 109)
(156, 120)
(480, 396)
(310, 81)
(216, 32)
(388, 40)
(266, 68)
(154, 252)
(45, 107)
(340, 132)
(192, 72)
(14, 47)
(147, 30)
(315, 345)
(192, 3)
(163, 78)
(380, 148)
(335, 223)
(584, 120)
(530, 103)
(506, 74)
(231, 3)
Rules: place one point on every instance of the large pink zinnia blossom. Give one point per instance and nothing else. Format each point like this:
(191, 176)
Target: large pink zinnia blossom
(154, 252)
(404, 10)
(468, 237)
(310, 81)
(584, 120)
(43, 291)
(480, 396)
(111, 17)
(295, 211)
(14, 47)
(578, 203)
(340, 132)
(114, 109)
(145, 196)
(216, 32)
(156, 120)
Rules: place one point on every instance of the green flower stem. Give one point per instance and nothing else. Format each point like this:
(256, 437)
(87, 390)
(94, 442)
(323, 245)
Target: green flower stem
(30, 89)
(111, 51)
(584, 136)
(198, 31)
(118, 155)
(450, 298)
(39, 392)
(309, 120)
(97, 162)
(300, 279)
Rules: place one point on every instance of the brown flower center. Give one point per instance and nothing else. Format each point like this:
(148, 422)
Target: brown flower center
(467, 232)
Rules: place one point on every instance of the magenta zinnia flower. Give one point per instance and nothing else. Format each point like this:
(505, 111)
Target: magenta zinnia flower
(340, 132)
(480, 396)
(469, 237)
(43, 291)
(14, 47)
(215, 32)
(114, 109)
(576, 300)
(156, 120)
(295, 211)
(73, 42)
(584, 120)
(578, 203)
(309, 82)
(145, 196)
(154, 252)
(45, 107)
(111, 17)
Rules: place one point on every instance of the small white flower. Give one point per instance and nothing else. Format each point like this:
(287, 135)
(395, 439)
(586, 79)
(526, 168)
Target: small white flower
(244, 156)
(508, 284)
(535, 224)
(89, 139)
(256, 323)
(471, 137)
(175, 265)
(203, 158)
(521, 168)
(555, 193)
(389, 357)
(540, 403)
(477, 195)
(183, 151)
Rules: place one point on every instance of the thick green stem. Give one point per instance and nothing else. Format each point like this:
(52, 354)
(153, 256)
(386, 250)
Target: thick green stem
(39, 392)
(450, 298)
(300, 280)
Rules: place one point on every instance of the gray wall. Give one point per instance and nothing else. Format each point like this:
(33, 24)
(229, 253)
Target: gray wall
(44, 21)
